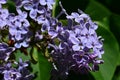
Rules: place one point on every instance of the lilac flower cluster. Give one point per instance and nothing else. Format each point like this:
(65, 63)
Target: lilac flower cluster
(39, 9)
(11, 73)
(78, 48)
(18, 29)
(5, 51)
(17, 26)
(74, 46)
(3, 12)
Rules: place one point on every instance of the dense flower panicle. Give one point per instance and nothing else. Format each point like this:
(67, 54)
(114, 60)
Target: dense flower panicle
(18, 29)
(79, 41)
(20, 73)
(37, 8)
(84, 34)
(40, 11)
(29, 4)
(17, 26)
(5, 51)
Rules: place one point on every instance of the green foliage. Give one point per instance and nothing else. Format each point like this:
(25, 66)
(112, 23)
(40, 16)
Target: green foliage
(117, 74)
(20, 54)
(42, 68)
(54, 8)
(115, 25)
(97, 11)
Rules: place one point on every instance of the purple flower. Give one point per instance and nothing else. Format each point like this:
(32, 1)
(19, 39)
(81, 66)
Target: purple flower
(78, 48)
(22, 68)
(87, 61)
(18, 29)
(38, 36)
(21, 72)
(11, 74)
(78, 17)
(38, 11)
(5, 51)
(42, 20)
(3, 1)
(22, 64)
(3, 17)
(74, 46)
(49, 3)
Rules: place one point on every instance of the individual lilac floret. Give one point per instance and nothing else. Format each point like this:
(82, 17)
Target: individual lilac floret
(49, 3)
(22, 68)
(12, 74)
(18, 29)
(5, 51)
(22, 64)
(38, 36)
(50, 27)
(34, 8)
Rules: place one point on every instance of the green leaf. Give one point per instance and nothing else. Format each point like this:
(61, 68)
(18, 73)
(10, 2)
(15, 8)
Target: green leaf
(64, 22)
(97, 11)
(42, 68)
(110, 56)
(104, 23)
(119, 60)
(20, 54)
(117, 77)
(54, 8)
(11, 6)
(115, 25)
(115, 28)
(117, 74)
